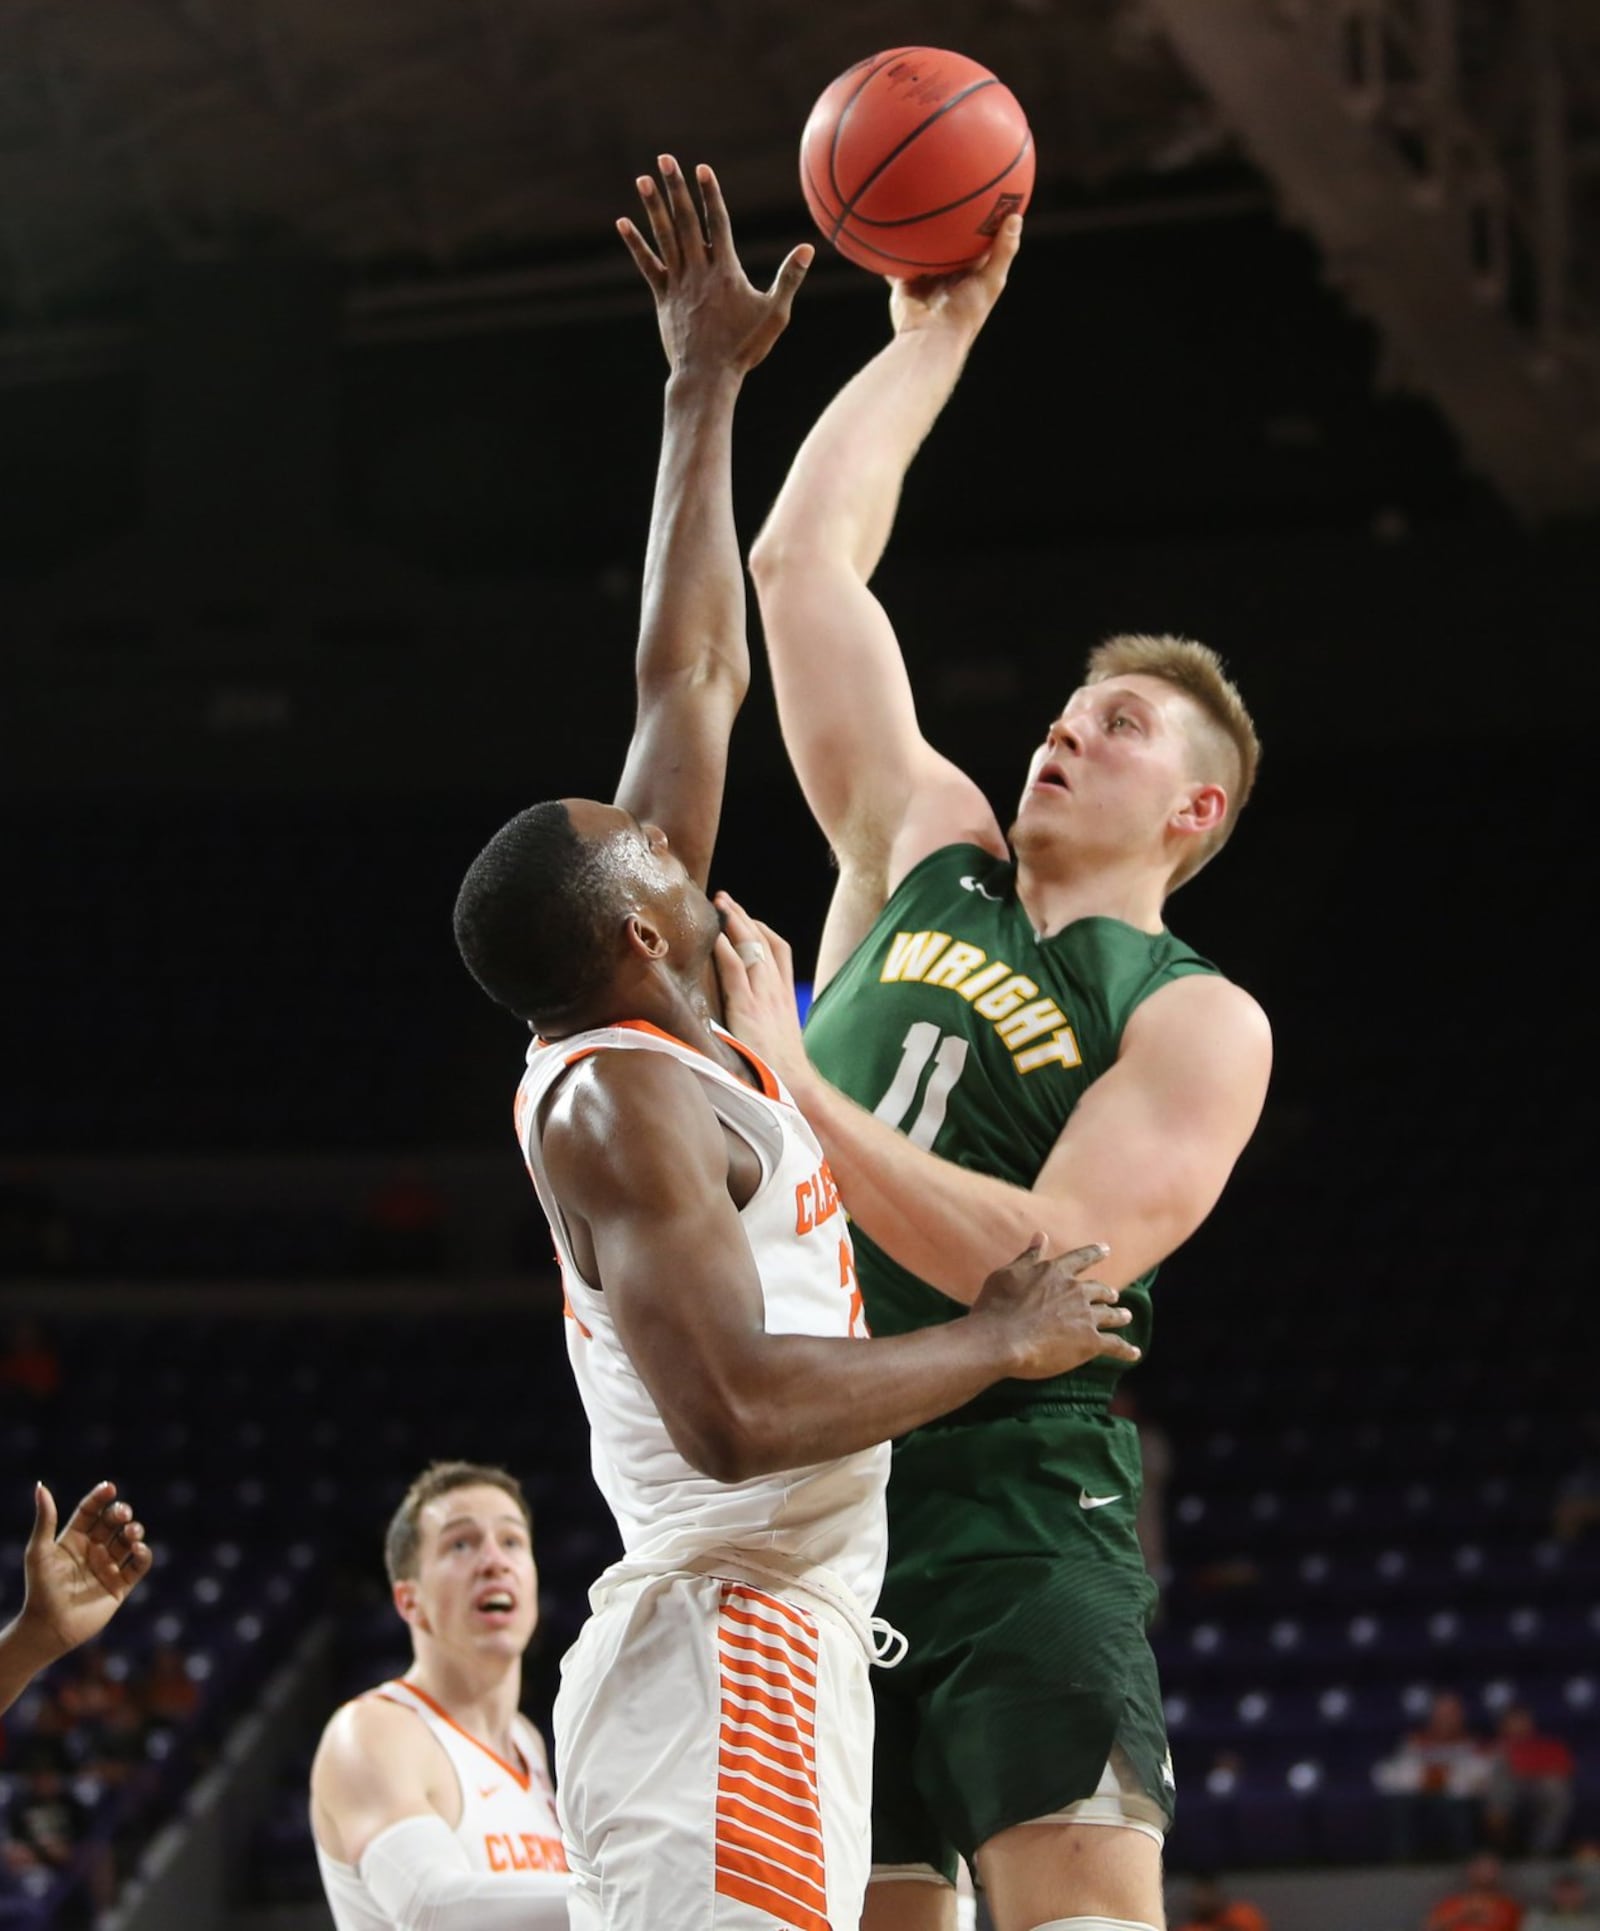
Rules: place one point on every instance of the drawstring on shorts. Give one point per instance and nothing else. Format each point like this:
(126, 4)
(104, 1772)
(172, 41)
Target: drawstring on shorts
(889, 1644)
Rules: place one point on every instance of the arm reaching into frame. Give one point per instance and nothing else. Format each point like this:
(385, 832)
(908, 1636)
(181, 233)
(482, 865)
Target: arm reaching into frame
(693, 662)
(76, 1582)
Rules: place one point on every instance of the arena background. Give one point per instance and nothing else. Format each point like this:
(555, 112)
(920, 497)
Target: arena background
(328, 415)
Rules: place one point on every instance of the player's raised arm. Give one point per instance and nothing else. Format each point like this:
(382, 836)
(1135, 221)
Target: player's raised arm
(671, 1257)
(693, 663)
(879, 791)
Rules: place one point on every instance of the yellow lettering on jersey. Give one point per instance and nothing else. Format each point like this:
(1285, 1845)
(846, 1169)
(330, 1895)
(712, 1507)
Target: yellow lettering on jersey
(911, 954)
(1060, 1049)
(982, 981)
(1029, 1022)
(1008, 999)
(1005, 997)
(955, 965)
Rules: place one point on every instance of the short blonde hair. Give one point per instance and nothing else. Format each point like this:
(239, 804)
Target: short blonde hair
(1227, 750)
(402, 1546)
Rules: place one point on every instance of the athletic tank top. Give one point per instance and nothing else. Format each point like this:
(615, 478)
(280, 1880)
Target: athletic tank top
(828, 1517)
(508, 1810)
(955, 1023)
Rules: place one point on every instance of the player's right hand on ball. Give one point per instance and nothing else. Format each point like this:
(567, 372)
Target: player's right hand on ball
(1057, 1317)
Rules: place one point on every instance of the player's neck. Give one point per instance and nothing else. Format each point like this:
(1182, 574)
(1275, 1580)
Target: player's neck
(1055, 896)
(480, 1696)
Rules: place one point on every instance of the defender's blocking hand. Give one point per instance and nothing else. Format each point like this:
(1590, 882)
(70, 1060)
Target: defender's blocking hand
(710, 314)
(1058, 1319)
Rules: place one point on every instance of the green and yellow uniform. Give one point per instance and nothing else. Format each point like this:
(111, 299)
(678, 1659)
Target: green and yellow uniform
(1014, 1571)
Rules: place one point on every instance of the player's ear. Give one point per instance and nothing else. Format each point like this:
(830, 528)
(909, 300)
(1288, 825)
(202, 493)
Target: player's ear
(644, 938)
(1203, 810)
(406, 1602)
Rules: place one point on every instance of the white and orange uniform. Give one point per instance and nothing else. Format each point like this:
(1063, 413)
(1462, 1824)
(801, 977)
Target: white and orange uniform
(508, 1810)
(714, 1726)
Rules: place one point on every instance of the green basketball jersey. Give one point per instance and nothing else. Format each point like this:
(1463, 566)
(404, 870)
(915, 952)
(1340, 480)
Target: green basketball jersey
(954, 1022)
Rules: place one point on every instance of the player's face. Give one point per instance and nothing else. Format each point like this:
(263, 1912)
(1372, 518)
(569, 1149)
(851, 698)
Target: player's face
(655, 881)
(476, 1589)
(1112, 769)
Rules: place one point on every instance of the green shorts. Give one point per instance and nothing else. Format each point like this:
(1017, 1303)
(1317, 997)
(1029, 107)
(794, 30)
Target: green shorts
(1024, 1600)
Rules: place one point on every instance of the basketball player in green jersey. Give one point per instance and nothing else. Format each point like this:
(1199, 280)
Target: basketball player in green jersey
(1005, 1036)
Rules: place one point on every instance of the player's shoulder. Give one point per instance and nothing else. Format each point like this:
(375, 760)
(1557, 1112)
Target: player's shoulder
(374, 1717)
(1212, 1012)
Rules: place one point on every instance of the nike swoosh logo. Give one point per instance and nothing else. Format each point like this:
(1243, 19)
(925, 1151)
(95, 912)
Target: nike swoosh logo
(1088, 1501)
(488, 1790)
(970, 884)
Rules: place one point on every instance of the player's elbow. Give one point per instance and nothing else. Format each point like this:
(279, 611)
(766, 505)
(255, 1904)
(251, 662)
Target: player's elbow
(722, 1439)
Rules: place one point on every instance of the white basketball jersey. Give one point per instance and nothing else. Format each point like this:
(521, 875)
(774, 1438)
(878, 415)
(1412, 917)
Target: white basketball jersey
(828, 1517)
(508, 1810)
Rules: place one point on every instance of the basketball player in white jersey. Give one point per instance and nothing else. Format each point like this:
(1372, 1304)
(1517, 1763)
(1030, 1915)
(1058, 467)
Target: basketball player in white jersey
(431, 1801)
(713, 1730)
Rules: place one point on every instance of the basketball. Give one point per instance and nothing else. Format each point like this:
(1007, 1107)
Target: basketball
(911, 160)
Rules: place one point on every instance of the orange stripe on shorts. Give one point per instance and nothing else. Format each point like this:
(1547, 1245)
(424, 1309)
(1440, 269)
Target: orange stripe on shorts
(769, 1850)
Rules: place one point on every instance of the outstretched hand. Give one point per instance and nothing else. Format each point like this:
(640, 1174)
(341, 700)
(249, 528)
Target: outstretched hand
(711, 315)
(962, 301)
(756, 968)
(76, 1582)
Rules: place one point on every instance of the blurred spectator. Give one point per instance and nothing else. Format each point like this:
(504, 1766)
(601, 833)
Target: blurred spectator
(1482, 1903)
(1435, 1783)
(1530, 1787)
(29, 1363)
(1577, 1504)
(168, 1694)
(47, 1818)
(1211, 1909)
(1155, 1454)
(1568, 1906)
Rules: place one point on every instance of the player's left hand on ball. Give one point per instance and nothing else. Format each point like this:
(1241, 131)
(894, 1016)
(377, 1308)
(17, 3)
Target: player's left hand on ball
(756, 967)
(711, 316)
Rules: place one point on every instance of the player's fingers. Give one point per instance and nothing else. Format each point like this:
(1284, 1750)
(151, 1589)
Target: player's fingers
(87, 1514)
(644, 257)
(686, 228)
(44, 1518)
(1034, 1251)
(719, 229)
(1113, 1344)
(137, 1563)
(731, 969)
(739, 923)
(659, 215)
(786, 283)
(1082, 1257)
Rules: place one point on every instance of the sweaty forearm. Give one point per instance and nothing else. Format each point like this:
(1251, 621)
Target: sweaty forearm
(947, 1225)
(693, 599)
(844, 485)
(809, 1400)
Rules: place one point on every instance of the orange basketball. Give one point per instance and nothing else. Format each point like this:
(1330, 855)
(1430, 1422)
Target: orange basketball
(911, 160)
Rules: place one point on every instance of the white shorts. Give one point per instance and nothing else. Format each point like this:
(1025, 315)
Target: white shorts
(714, 1761)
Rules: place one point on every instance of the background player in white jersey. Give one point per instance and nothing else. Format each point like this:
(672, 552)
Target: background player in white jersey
(713, 1732)
(431, 1800)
